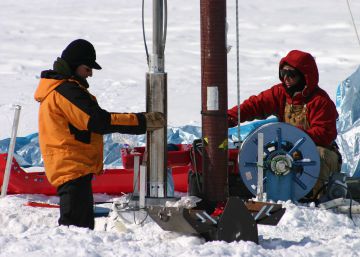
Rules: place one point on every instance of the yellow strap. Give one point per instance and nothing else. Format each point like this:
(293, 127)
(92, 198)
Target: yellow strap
(224, 144)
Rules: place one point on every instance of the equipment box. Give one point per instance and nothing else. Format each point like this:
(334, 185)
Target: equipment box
(178, 155)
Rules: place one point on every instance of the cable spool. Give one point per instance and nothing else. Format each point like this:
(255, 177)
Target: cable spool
(291, 162)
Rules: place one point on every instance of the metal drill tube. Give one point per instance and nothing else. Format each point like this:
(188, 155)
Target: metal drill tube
(158, 27)
(156, 100)
(157, 57)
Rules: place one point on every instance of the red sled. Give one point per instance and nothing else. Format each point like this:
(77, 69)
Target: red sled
(111, 181)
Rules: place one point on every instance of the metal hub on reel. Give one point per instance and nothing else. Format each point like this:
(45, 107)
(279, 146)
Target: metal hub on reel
(281, 165)
(291, 162)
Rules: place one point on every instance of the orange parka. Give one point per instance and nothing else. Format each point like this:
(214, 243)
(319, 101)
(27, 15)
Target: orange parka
(71, 125)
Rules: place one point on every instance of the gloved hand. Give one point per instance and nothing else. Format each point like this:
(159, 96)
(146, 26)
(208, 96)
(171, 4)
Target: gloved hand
(154, 120)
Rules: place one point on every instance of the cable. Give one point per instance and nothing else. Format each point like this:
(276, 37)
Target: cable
(124, 207)
(165, 25)
(104, 202)
(144, 36)
(238, 68)
(142, 221)
(164, 28)
(353, 21)
(193, 159)
(348, 191)
(135, 209)
(350, 206)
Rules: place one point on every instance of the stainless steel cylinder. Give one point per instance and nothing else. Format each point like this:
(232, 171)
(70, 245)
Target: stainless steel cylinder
(156, 144)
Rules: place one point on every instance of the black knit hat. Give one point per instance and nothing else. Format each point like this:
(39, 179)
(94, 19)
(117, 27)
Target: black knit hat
(80, 52)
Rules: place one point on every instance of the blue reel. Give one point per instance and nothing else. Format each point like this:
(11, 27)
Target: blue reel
(291, 162)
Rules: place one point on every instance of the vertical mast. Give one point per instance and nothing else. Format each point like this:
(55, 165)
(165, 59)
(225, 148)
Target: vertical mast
(214, 98)
(156, 100)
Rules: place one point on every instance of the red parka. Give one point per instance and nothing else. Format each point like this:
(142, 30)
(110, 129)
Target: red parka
(321, 111)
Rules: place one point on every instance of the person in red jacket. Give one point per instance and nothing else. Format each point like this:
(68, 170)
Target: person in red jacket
(71, 129)
(299, 101)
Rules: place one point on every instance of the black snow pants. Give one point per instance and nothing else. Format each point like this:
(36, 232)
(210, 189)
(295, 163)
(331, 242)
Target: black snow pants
(76, 203)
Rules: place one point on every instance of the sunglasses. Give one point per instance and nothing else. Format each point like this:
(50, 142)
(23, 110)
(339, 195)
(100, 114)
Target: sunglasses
(289, 73)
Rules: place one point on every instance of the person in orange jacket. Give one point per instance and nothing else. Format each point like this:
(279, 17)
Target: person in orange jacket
(299, 101)
(71, 125)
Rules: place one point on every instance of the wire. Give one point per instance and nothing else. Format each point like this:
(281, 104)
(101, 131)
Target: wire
(193, 159)
(347, 190)
(104, 202)
(353, 21)
(164, 29)
(135, 209)
(142, 221)
(350, 205)
(143, 30)
(238, 68)
(165, 25)
(125, 207)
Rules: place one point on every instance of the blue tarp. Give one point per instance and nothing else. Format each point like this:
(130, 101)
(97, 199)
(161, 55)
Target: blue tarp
(246, 129)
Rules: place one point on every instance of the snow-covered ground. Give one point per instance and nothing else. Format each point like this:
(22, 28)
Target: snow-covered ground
(33, 33)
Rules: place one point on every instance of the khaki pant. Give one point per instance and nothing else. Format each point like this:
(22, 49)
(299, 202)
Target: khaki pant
(329, 163)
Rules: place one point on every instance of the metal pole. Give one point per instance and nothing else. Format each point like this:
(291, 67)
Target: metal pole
(11, 151)
(214, 99)
(142, 190)
(136, 179)
(158, 52)
(156, 100)
(260, 164)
